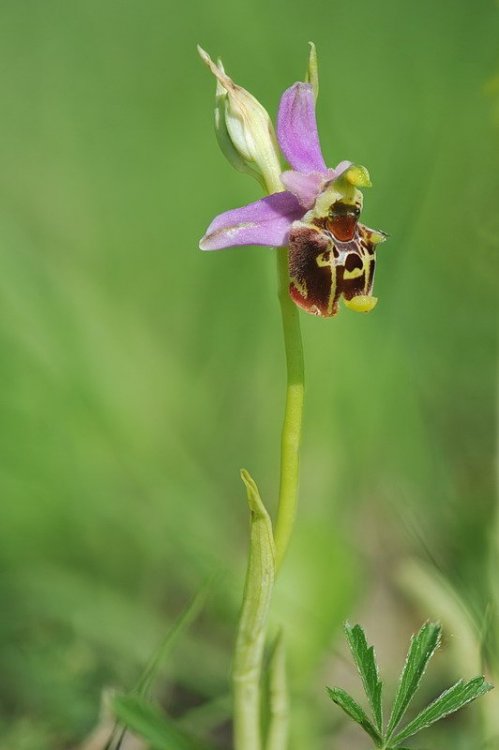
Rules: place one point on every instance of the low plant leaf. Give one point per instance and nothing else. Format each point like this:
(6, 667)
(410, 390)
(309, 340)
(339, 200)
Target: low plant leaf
(421, 649)
(148, 722)
(157, 659)
(365, 660)
(203, 719)
(356, 712)
(447, 703)
(181, 624)
(258, 586)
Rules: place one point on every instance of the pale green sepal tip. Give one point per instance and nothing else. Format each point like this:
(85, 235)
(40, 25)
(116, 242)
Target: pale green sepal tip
(244, 129)
(223, 138)
(312, 74)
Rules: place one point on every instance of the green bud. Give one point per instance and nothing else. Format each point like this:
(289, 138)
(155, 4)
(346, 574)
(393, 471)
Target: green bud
(244, 129)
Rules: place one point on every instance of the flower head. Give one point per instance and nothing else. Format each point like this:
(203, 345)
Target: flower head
(331, 255)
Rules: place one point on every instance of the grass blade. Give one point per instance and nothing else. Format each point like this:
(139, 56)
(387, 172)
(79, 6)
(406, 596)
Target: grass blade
(148, 722)
(447, 703)
(365, 660)
(151, 669)
(186, 618)
(356, 712)
(422, 648)
(203, 719)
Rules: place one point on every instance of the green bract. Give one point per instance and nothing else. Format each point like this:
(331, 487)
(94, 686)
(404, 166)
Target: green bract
(244, 129)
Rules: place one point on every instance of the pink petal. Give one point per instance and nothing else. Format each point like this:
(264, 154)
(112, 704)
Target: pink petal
(306, 187)
(265, 222)
(297, 129)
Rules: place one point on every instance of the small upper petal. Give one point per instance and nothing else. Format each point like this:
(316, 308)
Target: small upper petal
(265, 222)
(341, 168)
(306, 187)
(297, 129)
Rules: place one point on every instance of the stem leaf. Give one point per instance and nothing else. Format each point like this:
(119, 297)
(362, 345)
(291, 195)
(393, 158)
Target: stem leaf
(421, 649)
(365, 660)
(447, 703)
(151, 670)
(247, 663)
(278, 698)
(356, 712)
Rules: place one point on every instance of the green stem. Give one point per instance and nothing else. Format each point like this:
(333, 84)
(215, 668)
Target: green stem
(293, 410)
(248, 654)
(291, 429)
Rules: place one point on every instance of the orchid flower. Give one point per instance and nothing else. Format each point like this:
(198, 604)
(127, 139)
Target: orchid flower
(331, 254)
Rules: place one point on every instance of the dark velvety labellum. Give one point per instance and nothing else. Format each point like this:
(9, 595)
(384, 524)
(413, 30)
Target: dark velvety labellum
(322, 268)
(311, 269)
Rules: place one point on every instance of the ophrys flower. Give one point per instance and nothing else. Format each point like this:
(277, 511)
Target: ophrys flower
(331, 254)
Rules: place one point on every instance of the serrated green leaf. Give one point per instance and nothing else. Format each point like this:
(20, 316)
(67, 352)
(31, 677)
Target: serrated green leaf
(365, 660)
(447, 703)
(148, 722)
(356, 712)
(422, 648)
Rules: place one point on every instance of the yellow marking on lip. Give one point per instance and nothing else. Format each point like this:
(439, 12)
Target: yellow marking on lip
(324, 260)
(361, 303)
(301, 287)
(354, 274)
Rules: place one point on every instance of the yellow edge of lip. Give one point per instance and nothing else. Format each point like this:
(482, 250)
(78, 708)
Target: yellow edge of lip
(362, 303)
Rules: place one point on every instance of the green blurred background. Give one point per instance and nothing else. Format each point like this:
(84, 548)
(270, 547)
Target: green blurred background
(137, 374)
